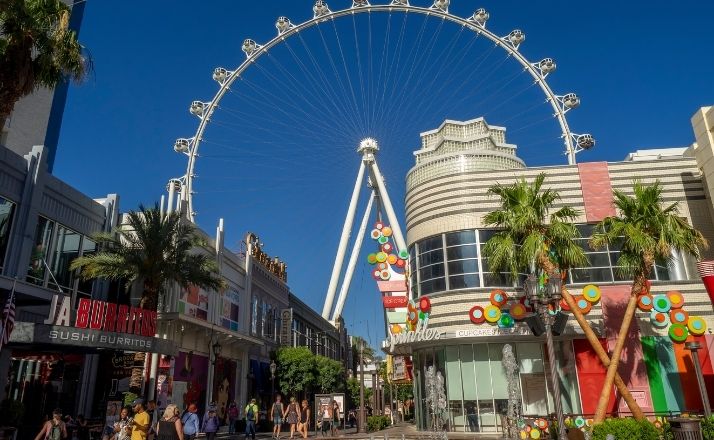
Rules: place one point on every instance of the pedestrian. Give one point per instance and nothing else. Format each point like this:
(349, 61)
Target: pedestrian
(140, 424)
(335, 418)
(210, 423)
(352, 418)
(251, 418)
(232, 417)
(153, 418)
(122, 430)
(190, 422)
(292, 415)
(325, 419)
(170, 427)
(304, 425)
(388, 413)
(53, 429)
(276, 413)
(82, 428)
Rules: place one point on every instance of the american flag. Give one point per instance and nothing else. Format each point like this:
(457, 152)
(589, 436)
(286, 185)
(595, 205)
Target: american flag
(8, 318)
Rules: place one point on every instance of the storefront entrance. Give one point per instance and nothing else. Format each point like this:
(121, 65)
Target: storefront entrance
(477, 386)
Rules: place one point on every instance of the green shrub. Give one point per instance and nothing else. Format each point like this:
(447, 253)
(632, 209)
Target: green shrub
(628, 428)
(708, 428)
(377, 423)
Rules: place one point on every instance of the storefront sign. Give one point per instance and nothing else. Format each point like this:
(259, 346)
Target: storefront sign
(100, 315)
(286, 325)
(393, 302)
(492, 331)
(421, 333)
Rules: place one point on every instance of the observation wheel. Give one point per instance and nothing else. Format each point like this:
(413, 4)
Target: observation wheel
(182, 189)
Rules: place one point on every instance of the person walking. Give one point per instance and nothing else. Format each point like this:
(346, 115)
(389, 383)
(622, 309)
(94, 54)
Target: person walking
(82, 428)
(53, 429)
(276, 413)
(190, 422)
(170, 426)
(153, 418)
(233, 414)
(140, 424)
(251, 418)
(304, 424)
(210, 423)
(335, 418)
(325, 419)
(292, 415)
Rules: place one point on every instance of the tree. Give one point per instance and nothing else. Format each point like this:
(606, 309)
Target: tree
(36, 49)
(646, 231)
(296, 369)
(358, 343)
(353, 391)
(329, 375)
(156, 250)
(533, 235)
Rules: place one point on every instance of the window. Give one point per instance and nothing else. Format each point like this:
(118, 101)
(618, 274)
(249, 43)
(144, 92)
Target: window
(65, 251)
(43, 239)
(492, 279)
(254, 315)
(431, 266)
(462, 256)
(6, 210)
(89, 247)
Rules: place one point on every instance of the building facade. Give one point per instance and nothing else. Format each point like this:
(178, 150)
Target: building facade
(452, 285)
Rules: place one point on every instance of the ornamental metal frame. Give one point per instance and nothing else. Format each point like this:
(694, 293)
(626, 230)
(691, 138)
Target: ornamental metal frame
(561, 104)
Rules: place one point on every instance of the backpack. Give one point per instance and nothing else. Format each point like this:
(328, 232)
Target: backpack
(250, 415)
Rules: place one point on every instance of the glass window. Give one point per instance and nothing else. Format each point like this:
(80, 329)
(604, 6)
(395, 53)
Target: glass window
(600, 259)
(591, 275)
(429, 272)
(43, 239)
(468, 281)
(432, 257)
(89, 247)
(254, 315)
(459, 252)
(454, 388)
(484, 390)
(429, 244)
(6, 210)
(463, 266)
(435, 285)
(461, 237)
(65, 251)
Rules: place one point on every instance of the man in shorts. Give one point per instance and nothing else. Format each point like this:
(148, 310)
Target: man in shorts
(276, 413)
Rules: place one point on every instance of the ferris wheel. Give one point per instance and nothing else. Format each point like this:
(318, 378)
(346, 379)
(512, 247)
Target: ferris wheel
(235, 81)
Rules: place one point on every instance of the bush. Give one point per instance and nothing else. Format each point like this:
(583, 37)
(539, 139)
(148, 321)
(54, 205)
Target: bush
(629, 429)
(377, 423)
(708, 428)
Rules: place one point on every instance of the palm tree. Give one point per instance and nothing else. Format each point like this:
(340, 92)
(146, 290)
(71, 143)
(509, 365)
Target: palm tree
(154, 249)
(646, 231)
(532, 237)
(36, 49)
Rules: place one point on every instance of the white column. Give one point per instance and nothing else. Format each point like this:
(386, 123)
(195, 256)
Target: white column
(353, 260)
(387, 203)
(342, 247)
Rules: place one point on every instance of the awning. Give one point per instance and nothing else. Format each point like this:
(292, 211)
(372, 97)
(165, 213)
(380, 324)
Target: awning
(88, 340)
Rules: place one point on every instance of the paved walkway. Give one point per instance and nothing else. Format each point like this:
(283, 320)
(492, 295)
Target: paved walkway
(406, 431)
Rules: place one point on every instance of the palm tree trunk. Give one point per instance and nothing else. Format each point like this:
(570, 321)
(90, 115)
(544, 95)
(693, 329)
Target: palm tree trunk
(548, 266)
(615, 360)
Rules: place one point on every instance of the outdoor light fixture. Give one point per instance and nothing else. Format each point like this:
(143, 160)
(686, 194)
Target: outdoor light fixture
(216, 348)
(273, 368)
(541, 300)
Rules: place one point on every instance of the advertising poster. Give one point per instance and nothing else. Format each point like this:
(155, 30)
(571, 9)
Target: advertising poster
(231, 310)
(194, 303)
(193, 370)
(224, 386)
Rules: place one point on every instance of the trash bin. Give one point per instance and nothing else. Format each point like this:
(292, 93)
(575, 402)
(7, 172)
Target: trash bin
(686, 428)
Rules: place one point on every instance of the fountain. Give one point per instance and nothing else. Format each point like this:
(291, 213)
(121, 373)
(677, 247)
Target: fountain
(436, 402)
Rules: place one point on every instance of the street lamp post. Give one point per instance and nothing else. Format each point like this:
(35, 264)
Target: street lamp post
(361, 427)
(694, 346)
(541, 301)
(273, 367)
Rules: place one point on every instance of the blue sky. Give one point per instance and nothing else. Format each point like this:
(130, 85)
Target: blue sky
(278, 157)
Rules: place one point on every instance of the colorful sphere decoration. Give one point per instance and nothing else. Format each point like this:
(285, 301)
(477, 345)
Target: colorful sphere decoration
(517, 310)
(387, 231)
(388, 253)
(676, 299)
(659, 319)
(697, 326)
(591, 293)
(492, 313)
(499, 297)
(476, 315)
(425, 304)
(506, 320)
(678, 316)
(583, 304)
(678, 332)
(661, 303)
(645, 302)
